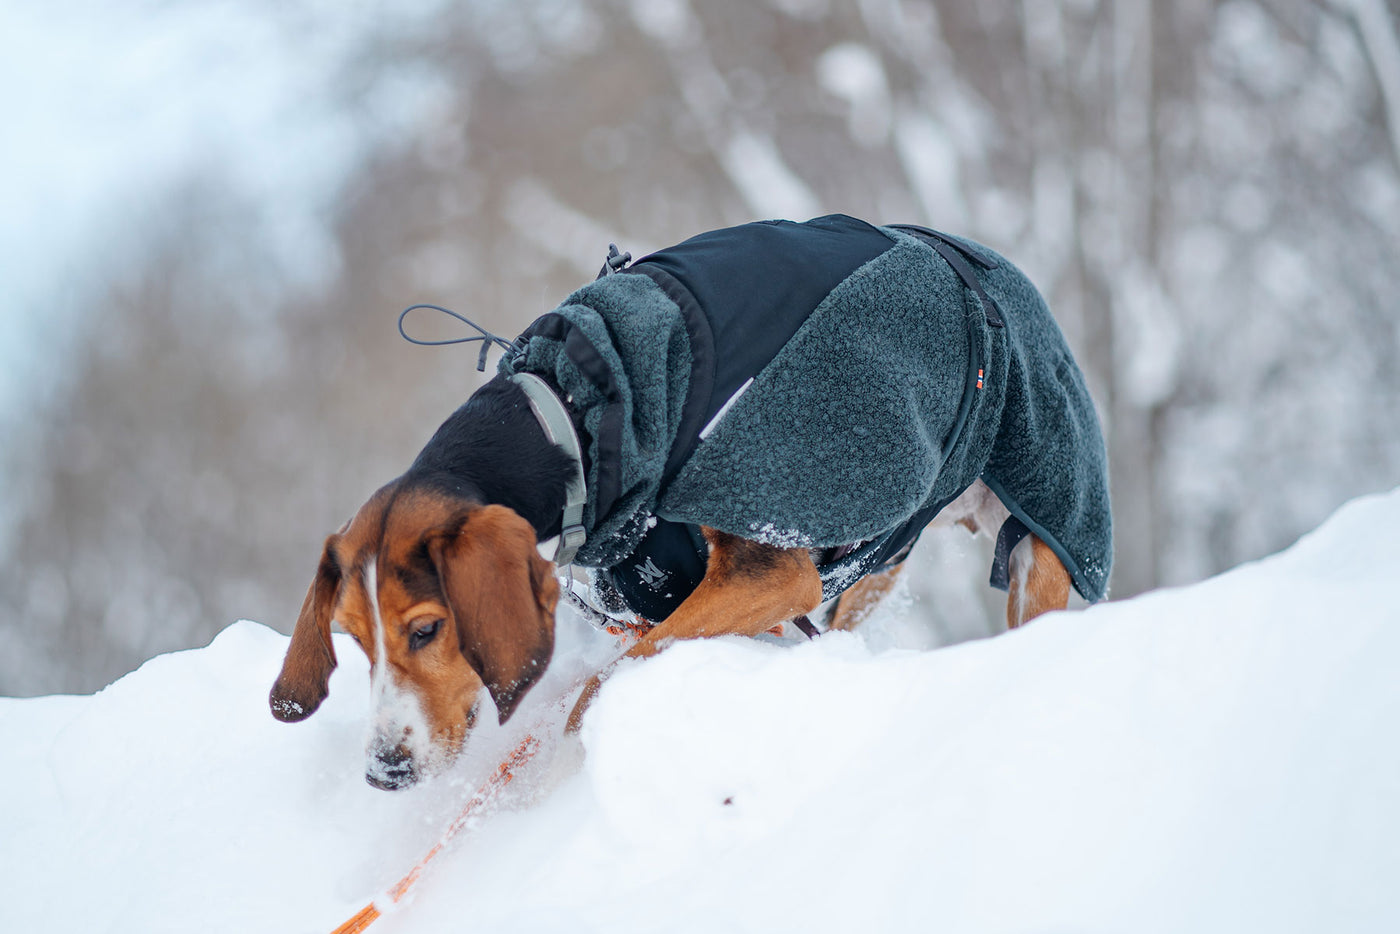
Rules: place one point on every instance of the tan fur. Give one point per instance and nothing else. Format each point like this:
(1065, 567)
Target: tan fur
(475, 572)
(747, 588)
(501, 595)
(301, 686)
(1039, 582)
(492, 593)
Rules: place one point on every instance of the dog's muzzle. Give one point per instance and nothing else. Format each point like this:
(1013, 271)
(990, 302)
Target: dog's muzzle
(391, 769)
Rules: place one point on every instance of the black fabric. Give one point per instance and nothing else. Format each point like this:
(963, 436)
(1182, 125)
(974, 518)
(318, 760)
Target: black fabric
(984, 260)
(953, 252)
(665, 569)
(755, 284)
(1013, 530)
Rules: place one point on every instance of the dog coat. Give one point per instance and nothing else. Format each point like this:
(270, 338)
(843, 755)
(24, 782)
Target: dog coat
(829, 385)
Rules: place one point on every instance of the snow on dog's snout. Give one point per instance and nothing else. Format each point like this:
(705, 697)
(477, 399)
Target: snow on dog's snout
(398, 749)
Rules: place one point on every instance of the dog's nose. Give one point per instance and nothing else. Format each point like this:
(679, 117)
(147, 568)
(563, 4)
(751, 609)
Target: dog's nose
(391, 769)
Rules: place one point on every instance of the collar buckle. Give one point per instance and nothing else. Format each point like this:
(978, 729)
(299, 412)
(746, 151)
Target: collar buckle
(570, 541)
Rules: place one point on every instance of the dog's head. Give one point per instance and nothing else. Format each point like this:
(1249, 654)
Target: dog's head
(445, 596)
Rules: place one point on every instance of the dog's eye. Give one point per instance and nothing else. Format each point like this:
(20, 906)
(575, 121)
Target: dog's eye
(421, 637)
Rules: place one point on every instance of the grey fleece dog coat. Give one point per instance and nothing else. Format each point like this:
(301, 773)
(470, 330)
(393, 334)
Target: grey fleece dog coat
(829, 385)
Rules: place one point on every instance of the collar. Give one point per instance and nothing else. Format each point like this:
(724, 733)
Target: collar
(559, 429)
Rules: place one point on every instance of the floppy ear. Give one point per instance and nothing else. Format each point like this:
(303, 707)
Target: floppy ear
(306, 671)
(502, 596)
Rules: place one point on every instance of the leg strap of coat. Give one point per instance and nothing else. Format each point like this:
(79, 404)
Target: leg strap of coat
(1012, 531)
(954, 254)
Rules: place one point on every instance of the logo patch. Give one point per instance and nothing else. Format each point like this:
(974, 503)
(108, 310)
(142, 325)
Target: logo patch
(651, 575)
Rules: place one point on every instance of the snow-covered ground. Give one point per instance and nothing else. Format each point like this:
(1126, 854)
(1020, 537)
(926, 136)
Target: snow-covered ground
(1222, 757)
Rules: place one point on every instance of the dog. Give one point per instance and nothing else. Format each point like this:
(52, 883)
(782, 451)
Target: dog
(729, 433)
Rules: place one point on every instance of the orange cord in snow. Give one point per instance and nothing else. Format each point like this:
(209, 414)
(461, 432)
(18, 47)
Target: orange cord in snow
(367, 915)
(627, 635)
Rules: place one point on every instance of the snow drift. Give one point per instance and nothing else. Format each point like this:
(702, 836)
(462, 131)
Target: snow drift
(1221, 757)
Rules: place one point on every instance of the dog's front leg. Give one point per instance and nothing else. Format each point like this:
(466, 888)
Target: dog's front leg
(748, 588)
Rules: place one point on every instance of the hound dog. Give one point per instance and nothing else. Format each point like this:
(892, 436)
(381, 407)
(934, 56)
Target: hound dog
(729, 433)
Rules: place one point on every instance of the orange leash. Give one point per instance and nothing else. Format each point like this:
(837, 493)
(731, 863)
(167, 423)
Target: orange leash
(367, 915)
(627, 634)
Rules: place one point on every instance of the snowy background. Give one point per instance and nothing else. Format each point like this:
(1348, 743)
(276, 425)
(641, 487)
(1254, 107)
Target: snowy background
(1216, 758)
(212, 212)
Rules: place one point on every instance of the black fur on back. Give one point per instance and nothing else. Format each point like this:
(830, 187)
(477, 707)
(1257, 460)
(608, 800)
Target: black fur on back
(493, 448)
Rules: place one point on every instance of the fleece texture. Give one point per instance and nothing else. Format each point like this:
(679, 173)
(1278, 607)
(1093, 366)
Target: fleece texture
(868, 416)
(618, 351)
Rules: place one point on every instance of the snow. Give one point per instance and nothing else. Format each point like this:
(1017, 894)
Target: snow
(1219, 757)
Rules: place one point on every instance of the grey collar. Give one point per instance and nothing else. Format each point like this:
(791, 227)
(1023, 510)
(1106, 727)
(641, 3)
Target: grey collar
(559, 429)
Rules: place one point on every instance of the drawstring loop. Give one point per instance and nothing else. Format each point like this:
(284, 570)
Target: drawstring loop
(486, 337)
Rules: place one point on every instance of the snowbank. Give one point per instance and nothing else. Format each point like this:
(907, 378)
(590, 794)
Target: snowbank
(1222, 757)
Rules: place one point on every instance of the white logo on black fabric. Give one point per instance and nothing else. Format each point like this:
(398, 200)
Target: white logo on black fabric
(652, 575)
